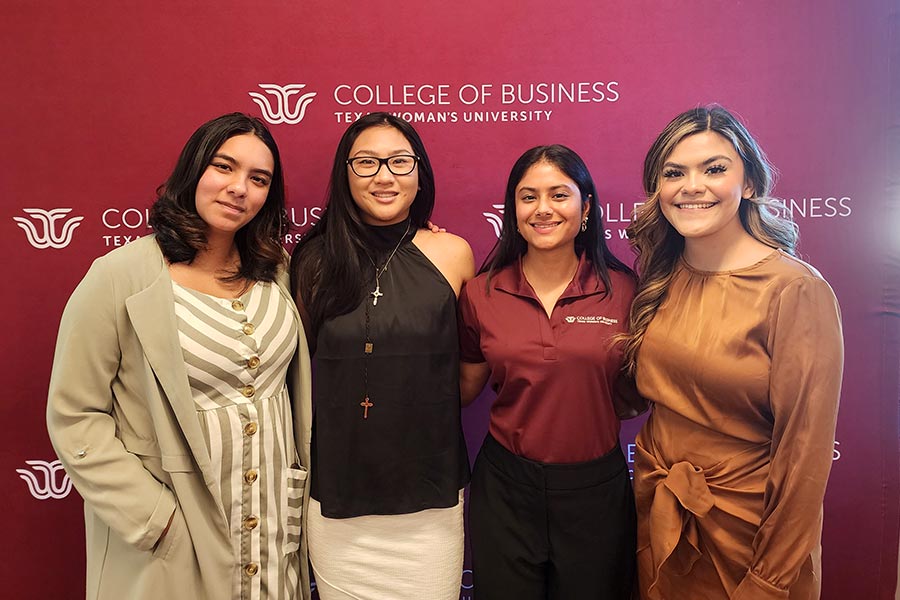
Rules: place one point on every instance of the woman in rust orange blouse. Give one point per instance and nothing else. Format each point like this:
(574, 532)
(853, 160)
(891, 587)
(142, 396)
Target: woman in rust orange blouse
(738, 345)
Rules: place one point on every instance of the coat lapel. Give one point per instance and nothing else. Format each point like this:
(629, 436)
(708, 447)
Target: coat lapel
(152, 315)
(299, 379)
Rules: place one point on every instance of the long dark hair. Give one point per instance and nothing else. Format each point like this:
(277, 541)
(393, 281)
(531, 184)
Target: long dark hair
(591, 242)
(658, 245)
(327, 264)
(180, 231)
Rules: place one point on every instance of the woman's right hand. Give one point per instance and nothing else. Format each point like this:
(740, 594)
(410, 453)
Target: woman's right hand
(434, 228)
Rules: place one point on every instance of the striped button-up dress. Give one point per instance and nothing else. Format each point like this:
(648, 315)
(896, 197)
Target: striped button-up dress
(237, 353)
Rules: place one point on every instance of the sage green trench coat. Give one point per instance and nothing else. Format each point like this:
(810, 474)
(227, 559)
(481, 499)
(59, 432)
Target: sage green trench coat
(123, 422)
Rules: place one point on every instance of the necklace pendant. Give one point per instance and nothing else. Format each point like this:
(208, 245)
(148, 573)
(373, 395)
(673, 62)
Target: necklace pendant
(366, 403)
(376, 294)
(369, 347)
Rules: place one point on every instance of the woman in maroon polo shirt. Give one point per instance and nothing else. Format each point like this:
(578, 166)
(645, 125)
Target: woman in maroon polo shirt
(551, 507)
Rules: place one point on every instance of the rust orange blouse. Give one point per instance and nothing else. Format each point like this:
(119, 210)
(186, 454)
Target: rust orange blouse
(744, 370)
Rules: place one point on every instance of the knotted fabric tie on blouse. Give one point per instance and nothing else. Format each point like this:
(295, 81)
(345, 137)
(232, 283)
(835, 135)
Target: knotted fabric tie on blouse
(681, 497)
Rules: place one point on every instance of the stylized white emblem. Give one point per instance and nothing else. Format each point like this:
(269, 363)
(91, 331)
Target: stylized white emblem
(496, 221)
(50, 484)
(283, 113)
(49, 237)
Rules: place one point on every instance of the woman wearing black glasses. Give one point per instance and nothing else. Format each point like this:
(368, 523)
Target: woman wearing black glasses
(377, 291)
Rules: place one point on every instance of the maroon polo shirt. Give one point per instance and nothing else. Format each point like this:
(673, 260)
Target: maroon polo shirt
(554, 376)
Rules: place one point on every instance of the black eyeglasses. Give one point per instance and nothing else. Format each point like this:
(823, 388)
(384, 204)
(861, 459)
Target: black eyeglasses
(368, 166)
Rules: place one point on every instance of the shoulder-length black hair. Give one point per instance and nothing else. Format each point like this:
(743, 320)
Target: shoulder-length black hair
(591, 241)
(181, 232)
(327, 264)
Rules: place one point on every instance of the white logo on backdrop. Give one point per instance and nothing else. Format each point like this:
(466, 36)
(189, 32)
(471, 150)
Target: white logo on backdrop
(283, 113)
(43, 481)
(495, 220)
(49, 236)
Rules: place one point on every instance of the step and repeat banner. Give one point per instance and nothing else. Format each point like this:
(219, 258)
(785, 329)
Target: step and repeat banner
(100, 96)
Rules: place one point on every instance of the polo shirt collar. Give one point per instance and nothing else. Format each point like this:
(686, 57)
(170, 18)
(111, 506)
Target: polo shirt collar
(512, 280)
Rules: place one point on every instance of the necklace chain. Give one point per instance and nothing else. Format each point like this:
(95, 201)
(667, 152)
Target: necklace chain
(369, 346)
(376, 293)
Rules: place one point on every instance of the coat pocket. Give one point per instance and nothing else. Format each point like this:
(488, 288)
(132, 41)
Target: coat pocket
(292, 506)
(173, 535)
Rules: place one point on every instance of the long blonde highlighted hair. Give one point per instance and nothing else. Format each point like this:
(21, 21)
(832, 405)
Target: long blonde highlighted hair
(658, 245)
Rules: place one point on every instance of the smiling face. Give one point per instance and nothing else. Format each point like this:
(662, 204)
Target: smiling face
(701, 186)
(235, 184)
(549, 208)
(385, 198)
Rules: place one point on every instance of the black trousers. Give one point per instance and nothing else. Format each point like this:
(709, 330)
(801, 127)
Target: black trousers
(545, 531)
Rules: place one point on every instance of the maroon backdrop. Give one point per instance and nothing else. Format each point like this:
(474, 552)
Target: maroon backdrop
(100, 96)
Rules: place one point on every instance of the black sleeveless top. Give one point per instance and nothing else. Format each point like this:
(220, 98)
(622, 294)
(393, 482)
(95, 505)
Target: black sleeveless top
(409, 454)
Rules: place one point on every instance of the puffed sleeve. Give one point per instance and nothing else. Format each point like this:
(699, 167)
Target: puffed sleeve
(469, 326)
(806, 349)
(82, 422)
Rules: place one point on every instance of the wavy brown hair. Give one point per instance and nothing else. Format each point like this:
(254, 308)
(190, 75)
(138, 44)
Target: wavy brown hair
(181, 232)
(658, 245)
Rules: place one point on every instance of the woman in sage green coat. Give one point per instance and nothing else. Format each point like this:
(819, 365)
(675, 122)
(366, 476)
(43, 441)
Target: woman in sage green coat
(125, 409)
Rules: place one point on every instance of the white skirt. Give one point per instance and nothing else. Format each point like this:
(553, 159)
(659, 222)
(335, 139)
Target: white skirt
(402, 557)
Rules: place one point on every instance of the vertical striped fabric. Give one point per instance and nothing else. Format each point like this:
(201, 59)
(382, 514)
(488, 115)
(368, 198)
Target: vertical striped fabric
(237, 353)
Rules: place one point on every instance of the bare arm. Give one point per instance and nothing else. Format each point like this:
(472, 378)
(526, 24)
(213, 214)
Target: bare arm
(472, 377)
(451, 254)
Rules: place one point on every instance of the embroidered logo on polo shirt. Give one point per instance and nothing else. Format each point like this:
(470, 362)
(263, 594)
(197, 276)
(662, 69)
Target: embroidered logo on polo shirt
(589, 319)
